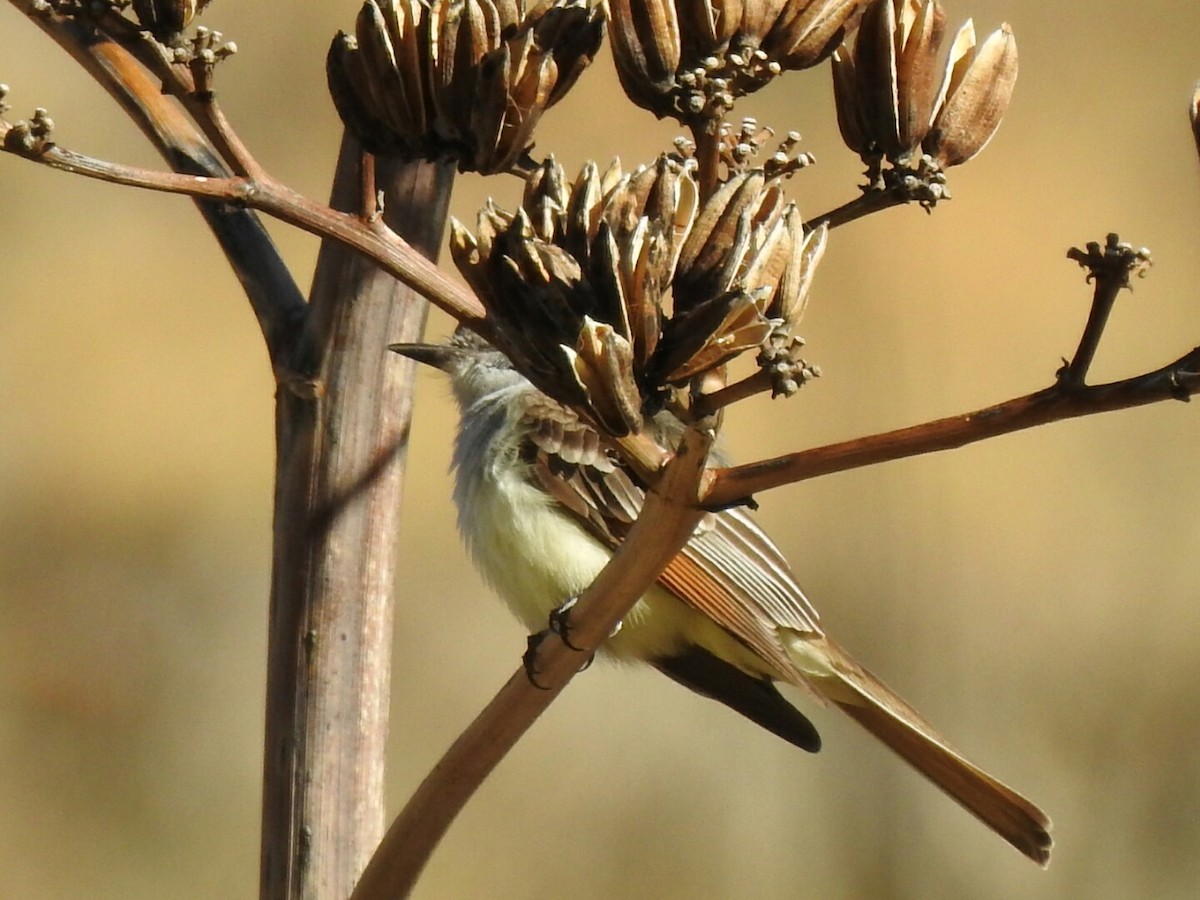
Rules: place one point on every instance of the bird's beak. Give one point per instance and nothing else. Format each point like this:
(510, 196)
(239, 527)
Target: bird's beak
(437, 355)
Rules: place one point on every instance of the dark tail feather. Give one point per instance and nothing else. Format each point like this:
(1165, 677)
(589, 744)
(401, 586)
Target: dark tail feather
(893, 721)
(755, 698)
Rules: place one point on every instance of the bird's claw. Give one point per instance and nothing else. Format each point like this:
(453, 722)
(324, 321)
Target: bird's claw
(529, 658)
(560, 623)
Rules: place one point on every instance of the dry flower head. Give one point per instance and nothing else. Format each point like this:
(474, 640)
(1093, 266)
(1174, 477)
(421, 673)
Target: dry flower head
(889, 102)
(461, 79)
(691, 59)
(619, 290)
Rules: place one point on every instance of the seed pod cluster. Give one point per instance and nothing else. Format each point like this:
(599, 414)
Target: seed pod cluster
(466, 80)
(691, 59)
(617, 289)
(890, 102)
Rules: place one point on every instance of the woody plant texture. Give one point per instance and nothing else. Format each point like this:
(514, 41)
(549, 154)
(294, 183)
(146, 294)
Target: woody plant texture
(619, 290)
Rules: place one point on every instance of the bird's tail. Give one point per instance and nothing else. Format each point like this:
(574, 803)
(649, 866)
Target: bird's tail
(882, 712)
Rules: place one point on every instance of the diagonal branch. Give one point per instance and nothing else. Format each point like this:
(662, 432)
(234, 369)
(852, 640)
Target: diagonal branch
(373, 239)
(277, 302)
(1111, 268)
(667, 521)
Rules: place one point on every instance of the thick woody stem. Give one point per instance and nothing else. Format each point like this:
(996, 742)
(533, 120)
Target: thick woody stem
(340, 475)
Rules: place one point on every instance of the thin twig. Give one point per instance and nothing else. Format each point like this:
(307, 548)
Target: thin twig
(1178, 380)
(276, 300)
(870, 201)
(212, 119)
(374, 240)
(758, 382)
(179, 82)
(1110, 267)
(708, 157)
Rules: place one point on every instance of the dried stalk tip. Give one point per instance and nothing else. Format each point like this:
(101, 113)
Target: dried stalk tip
(691, 59)
(620, 292)
(780, 359)
(30, 138)
(889, 105)
(459, 79)
(201, 53)
(1116, 262)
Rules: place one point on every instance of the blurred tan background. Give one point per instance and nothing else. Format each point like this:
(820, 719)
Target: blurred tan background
(1036, 596)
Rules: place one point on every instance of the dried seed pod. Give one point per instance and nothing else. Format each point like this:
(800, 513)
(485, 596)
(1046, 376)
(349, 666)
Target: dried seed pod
(884, 89)
(711, 334)
(602, 364)
(921, 29)
(804, 34)
(975, 94)
(728, 230)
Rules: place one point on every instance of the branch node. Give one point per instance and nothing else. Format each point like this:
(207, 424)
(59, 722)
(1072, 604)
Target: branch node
(921, 181)
(28, 138)
(303, 386)
(1183, 384)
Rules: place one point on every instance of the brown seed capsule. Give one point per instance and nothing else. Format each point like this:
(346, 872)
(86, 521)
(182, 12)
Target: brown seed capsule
(884, 89)
(804, 34)
(975, 94)
(602, 363)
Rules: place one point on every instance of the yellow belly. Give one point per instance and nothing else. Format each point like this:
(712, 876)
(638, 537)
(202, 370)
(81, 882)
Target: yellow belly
(537, 557)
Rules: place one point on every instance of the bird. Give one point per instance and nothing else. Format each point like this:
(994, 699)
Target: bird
(543, 499)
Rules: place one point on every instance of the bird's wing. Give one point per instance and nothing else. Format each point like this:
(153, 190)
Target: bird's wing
(730, 571)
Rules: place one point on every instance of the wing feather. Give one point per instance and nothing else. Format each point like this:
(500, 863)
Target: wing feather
(730, 571)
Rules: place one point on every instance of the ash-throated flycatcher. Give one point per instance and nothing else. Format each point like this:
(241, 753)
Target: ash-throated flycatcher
(542, 501)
